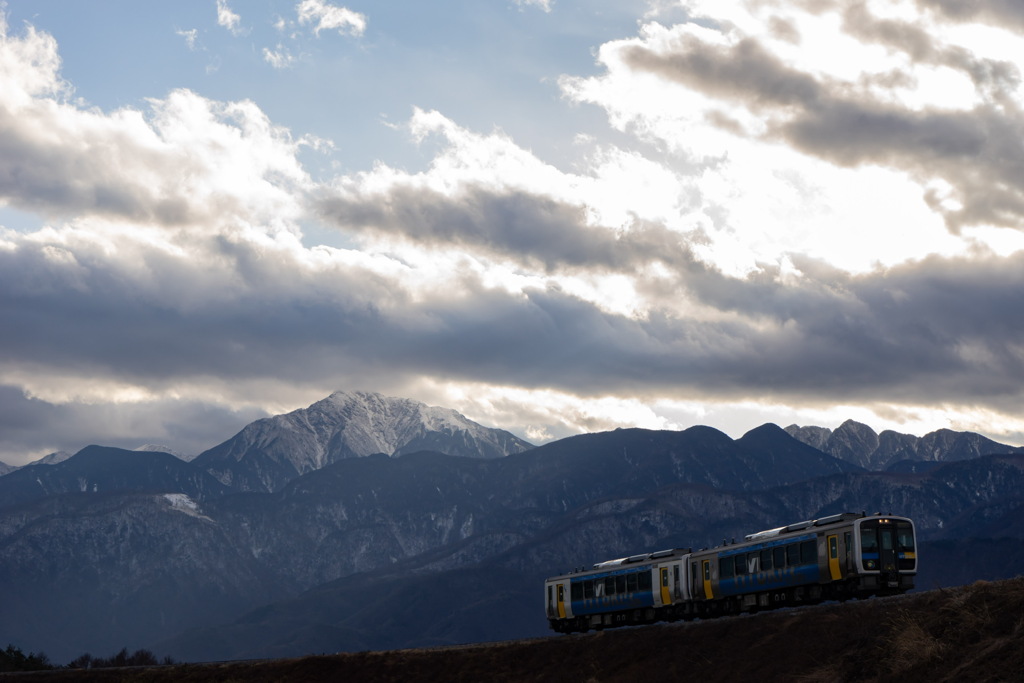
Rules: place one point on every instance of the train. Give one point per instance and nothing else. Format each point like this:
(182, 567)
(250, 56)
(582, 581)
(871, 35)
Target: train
(838, 557)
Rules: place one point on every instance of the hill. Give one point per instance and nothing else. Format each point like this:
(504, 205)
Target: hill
(971, 633)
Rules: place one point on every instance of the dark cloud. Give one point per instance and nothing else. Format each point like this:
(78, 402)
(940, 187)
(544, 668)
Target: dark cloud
(940, 330)
(29, 424)
(529, 228)
(994, 78)
(996, 12)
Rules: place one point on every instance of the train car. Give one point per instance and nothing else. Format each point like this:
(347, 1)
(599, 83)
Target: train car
(631, 590)
(833, 558)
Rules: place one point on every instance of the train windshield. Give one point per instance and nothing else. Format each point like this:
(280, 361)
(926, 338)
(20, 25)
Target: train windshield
(887, 544)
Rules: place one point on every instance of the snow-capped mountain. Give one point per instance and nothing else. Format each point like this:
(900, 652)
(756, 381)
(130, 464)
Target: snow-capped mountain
(860, 444)
(270, 452)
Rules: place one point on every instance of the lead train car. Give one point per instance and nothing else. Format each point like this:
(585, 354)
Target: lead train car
(837, 557)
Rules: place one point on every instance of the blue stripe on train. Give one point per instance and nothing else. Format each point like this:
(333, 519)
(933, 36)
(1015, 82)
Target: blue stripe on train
(774, 579)
(613, 602)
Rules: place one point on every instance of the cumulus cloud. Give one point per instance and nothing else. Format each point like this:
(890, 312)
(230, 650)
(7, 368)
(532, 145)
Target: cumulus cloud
(323, 15)
(187, 160)
(926, 107)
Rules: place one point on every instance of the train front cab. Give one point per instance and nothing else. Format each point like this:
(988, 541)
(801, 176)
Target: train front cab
(884, 554)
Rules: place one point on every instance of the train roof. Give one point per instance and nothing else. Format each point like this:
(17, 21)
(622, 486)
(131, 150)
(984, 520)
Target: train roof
(627, 562)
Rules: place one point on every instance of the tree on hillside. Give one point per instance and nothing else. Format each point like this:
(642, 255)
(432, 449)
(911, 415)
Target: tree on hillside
(122, 658)
(13, 659)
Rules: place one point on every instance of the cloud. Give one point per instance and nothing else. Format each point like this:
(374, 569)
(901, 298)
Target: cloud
(937, 111)
(228, 19)
(324, 15)
(997, 12)
(193, 425)
(542, 4)
(173, 292)
(186, 161)
(279, 58)
(190, 36)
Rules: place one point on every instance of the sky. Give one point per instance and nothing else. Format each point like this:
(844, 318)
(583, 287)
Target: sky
(554, 216)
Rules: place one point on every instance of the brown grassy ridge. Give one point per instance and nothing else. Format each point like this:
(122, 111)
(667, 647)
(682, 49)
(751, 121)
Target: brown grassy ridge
(969, 633)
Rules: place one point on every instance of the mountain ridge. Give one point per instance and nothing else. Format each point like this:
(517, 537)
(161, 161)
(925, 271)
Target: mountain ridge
(858, 443)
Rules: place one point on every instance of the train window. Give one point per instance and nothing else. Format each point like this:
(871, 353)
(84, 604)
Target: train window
(644, 581)
(598, 588)
(809, 552)
(576, 591)
(869, 540)
(905, 534)
(620, 584)
(631, 582)
(793, 555)
(726, 568)
(588, 589)
(741, 565)
(779, 557)
(752, 563)
(609, 585)
(766, 559)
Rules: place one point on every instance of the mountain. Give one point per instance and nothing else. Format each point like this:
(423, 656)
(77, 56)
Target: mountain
(52, 458)
(5, 468)
(157, 448)
(95, 572)
(102, 469)
(481, 583)
(269, 453)
(859, 444)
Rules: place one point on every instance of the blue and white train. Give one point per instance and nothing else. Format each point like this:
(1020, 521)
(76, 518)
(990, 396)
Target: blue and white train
(833, 558)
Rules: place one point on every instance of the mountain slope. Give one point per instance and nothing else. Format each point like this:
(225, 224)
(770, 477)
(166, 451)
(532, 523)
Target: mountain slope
(268, 453)
(104, 469)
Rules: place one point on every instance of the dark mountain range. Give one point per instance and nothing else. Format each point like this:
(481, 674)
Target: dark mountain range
(484, 586)
(116, 548)
(859, 444)
(269, 453)
(5, 468)
(102, 469)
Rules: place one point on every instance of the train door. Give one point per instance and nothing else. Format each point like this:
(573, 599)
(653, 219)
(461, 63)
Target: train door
(705, 567)
(833, 558)
(666, 588)
(561, 601)
(887, 548)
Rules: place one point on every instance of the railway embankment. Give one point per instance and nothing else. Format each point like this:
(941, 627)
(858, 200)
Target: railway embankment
(969, 633)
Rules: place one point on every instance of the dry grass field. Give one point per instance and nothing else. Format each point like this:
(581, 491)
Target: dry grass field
(971, 633)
